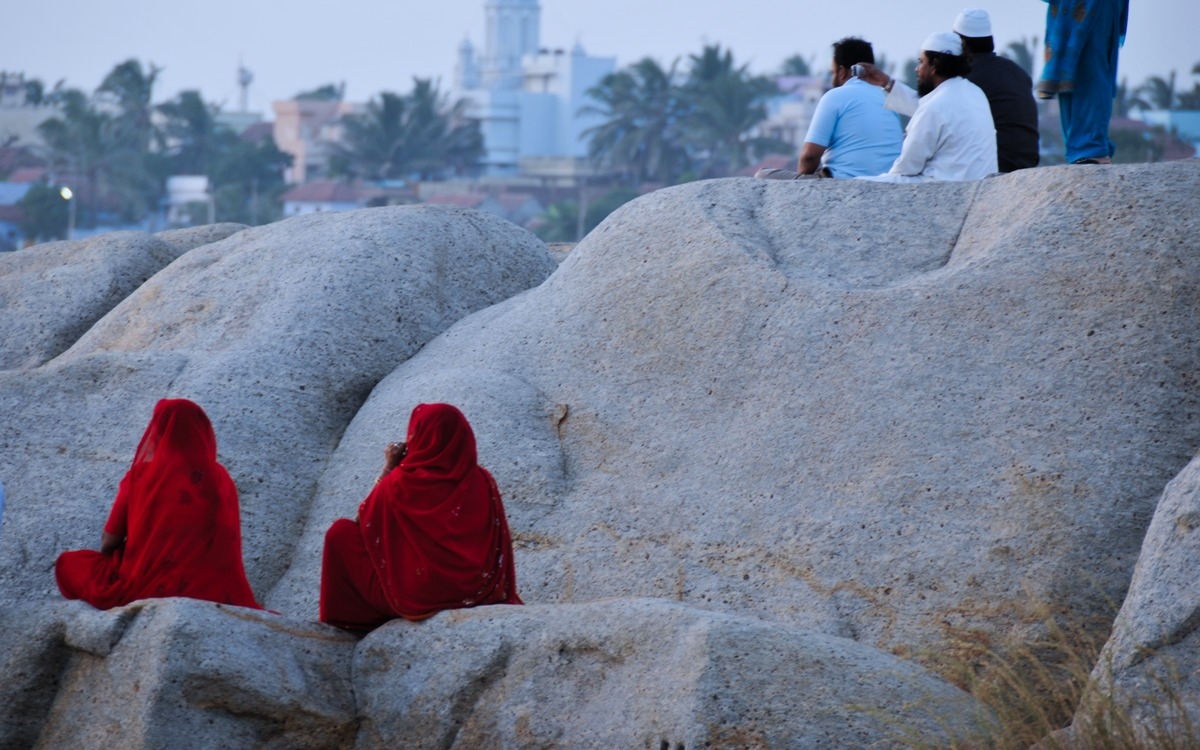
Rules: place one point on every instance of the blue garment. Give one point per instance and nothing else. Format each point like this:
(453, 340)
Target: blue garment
(860, 136)
(1082, 39)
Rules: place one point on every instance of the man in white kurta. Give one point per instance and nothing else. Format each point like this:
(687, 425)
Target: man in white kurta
(951, 135)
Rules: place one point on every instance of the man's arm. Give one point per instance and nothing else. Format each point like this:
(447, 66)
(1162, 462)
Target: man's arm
(901, 99)
(810, 158)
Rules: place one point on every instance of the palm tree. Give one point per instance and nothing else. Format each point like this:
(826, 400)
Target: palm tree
(131, 88)
(1124, 101)
(796, 65)
(725, 103)
(640, 136)
(193, 137)
(1022, 52)
(1190, 100)
(82, 142)
(1158, 92)
(418, 133)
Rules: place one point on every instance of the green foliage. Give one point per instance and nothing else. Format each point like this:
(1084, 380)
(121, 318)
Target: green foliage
(1023, 53)
(45, 213)
(191, 134)
(659, 124)
(35, 92)
(725, 103)
(1157, 92)
(419, 133)
(796, 65)
(327, 93)
(1136, 146)
(560, 221)
(641, 137)
(110, 143)
(83, 143)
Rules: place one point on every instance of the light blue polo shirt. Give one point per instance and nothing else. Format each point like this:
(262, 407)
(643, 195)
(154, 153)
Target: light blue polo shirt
(860, 136)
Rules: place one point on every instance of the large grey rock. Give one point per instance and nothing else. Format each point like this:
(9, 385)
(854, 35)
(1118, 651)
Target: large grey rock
(50, 294)
(188, 674)
(641, 673)
(279, 332)
(33, 655)
(898, 414)
(1150, 668)
(190, 238)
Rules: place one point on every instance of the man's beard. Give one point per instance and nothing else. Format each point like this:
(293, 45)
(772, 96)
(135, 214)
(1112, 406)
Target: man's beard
(924, 88)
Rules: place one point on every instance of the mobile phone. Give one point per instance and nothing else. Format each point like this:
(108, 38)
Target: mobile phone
(856, 70)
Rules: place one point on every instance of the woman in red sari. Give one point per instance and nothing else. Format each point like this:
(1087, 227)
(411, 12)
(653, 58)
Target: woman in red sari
(174, 528)
(432, 535)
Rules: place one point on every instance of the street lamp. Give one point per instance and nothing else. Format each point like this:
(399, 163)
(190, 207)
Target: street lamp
(69, 197)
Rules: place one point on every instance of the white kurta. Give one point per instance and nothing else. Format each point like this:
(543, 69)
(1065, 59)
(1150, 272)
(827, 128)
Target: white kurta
(950, 137)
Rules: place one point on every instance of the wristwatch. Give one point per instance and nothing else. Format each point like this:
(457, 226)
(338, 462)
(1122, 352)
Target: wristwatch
(887, 87)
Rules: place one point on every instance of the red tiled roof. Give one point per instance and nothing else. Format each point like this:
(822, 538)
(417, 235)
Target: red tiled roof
(462, 200)
(513, 201)
(16, 157)
(258, 132)
(27, 174)
(322, 191)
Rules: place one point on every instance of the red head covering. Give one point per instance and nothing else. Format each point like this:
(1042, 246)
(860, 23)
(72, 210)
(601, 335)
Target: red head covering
(435, 528)
(177, 509)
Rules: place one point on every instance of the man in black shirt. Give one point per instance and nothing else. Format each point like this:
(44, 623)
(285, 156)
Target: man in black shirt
(1008, 88)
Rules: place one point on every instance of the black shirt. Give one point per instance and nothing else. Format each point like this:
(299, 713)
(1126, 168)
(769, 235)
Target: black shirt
(1010, 93)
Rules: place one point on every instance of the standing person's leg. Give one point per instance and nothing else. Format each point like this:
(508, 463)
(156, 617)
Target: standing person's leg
(1087, 110)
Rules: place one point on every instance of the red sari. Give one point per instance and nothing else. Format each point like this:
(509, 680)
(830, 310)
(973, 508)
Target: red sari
(177, 512)
(431, 536)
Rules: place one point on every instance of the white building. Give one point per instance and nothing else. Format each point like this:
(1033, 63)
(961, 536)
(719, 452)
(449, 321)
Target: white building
(791, 111)
(528, 98)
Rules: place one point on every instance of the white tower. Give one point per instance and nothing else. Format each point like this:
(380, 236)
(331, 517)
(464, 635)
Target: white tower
(245, 78)
(512, 32)
(466, 70)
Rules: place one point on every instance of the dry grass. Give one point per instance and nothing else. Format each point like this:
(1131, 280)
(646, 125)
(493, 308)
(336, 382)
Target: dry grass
(1037, 687)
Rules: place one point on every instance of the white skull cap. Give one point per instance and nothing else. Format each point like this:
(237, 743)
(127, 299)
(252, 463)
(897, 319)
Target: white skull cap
(973, 22)
(944, 42)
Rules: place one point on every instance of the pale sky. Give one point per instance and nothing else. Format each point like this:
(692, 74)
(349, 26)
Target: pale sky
(374, 46)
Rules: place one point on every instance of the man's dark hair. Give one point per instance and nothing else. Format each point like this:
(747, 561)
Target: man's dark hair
(978, 45)
(851, 50)
(948, 66)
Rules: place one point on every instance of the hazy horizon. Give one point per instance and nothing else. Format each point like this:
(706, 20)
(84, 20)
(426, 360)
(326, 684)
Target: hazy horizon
(373, 46)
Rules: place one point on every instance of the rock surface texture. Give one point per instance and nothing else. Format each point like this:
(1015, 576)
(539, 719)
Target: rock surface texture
(898, 414)
(1150, 667)
(839, 424)
(279, 332)
(641, 673)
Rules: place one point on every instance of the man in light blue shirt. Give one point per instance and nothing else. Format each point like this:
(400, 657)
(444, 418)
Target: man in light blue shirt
(851, 133)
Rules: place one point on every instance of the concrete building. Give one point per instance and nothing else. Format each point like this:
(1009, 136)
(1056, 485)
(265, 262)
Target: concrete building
(322, 195)
(527, 98)
(19, 118)
(1184, 123)
(305, 128)
(790, 112)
